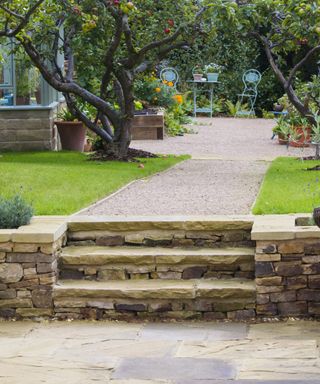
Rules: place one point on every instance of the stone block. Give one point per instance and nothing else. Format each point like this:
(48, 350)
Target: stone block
(268, 309)
(245, 314)
(140, 276)
(6, 247)
(31, 283)
(308, 295)
(313, 281)
(265, 289)
(314, 308)
(30, 272)
(247, 267)
(90, 271)
(49, 248)
(283, 297)
(311, 259)
(212, 316)
(3, 287)
(292, 246)
(24, 294)
(131, 307)
(201, 305)
(47, 280)
(158, 236)
(102, 304)
(2, 257)
(106, 274)
(266, 248)
(290, 268)
(110, 241)
(293, 308)
(262, 299)
(160, 307)
(292, 257)
(264, 269)
(195, 235)
(25, 248)
(296, 282)
(134, 238)
(69, 302)
(244, 275)
(269, 281)
(71, 274)
(194, 273)
(42, 298)
(10, 273)
(228, 306)
(8, 294)
(29, 258)
(182, 243)
(47, 267)
(34, 312)
(267, 257)
(157, 243)
(169, 275)
(15, 303)
(7, 313)
(233, 237)
(312, 248)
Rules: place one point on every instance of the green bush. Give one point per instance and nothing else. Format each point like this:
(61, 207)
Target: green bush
(14, 212)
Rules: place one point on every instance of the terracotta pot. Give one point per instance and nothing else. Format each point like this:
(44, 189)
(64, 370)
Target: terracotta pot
(282, 140)
(304, 139)
(72, 135)
(23, 100)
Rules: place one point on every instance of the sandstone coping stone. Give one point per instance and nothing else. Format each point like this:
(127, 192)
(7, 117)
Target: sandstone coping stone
(188, 223)
(42, 229)
(282, 227)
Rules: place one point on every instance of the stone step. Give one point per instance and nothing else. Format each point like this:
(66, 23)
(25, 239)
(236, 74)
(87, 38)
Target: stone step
(113, 263)
(219, 298)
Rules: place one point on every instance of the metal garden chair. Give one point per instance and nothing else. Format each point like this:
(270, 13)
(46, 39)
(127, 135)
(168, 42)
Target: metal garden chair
(169, 75)
(251, 80)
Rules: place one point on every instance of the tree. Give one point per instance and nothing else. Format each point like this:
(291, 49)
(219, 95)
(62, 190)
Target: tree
(289, 31)
(107, 43)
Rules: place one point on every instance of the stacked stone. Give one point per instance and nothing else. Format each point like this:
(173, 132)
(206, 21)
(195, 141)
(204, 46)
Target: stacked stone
(288, 277)
(28, 272)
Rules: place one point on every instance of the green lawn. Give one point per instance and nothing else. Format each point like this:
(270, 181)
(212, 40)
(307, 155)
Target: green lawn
(60, 183)
(289, 188)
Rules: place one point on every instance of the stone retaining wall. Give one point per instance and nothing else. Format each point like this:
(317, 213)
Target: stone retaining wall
(28, 268)
(287, 267)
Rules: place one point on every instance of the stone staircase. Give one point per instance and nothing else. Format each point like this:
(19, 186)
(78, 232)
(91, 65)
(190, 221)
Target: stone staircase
(161, 268)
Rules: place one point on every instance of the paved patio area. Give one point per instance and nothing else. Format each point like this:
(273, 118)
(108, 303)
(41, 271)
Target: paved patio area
(229, 160)
(164, 353)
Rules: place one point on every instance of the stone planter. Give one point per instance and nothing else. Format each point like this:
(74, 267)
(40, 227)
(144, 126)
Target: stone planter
(148, 127)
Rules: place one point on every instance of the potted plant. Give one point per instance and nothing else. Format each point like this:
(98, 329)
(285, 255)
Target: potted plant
(282, 130)
(212, 71)
(300, 134)
(315, 135)
(197, 73)
(71, 131)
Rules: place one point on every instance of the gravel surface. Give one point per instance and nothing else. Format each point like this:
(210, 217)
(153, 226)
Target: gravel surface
(229, 160)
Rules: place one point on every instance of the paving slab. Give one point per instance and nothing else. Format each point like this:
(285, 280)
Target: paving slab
(173, 369)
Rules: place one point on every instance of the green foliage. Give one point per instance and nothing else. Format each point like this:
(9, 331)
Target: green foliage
(14, 212)
(234, 108)
(152, 92)
(65, 115)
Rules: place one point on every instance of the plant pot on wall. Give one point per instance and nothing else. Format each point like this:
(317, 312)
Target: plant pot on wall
(72, 135)
(282, 139)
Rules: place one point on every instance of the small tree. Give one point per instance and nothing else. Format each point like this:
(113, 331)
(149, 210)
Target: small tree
(289, 31)
(107, 44)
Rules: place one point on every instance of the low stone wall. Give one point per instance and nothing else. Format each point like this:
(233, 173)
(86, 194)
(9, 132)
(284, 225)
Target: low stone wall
(287, 267)
(28, 268)
(28, 128)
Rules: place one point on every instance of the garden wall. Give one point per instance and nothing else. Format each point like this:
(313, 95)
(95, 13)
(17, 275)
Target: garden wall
(28, 267)
(28, 128)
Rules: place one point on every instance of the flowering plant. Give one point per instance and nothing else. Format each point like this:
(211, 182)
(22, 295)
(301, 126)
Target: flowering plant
(212, 67)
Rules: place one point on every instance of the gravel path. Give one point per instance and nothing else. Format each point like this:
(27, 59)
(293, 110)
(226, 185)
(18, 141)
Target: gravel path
(229, 160)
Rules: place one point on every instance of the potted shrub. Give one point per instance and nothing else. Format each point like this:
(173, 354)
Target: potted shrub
(71, 131)
(300, 134)
(282, 130)
(197, 73)
(212, 71)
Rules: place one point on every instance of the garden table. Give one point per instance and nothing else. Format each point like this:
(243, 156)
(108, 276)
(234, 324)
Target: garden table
(200, 87)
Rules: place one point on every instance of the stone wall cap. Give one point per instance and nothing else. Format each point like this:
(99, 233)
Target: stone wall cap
(42, 229)
(82, 223)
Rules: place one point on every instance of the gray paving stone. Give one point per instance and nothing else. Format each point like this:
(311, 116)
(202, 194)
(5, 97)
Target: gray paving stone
(174, 369)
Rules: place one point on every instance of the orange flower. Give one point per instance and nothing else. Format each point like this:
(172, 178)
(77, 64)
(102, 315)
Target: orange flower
(158, 89)
(170, 84)
(178, 99)
(165, 82)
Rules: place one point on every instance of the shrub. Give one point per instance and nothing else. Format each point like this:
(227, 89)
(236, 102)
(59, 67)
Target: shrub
(14, 212)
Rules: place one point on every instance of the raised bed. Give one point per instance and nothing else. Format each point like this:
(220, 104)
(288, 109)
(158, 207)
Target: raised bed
(149, 126)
